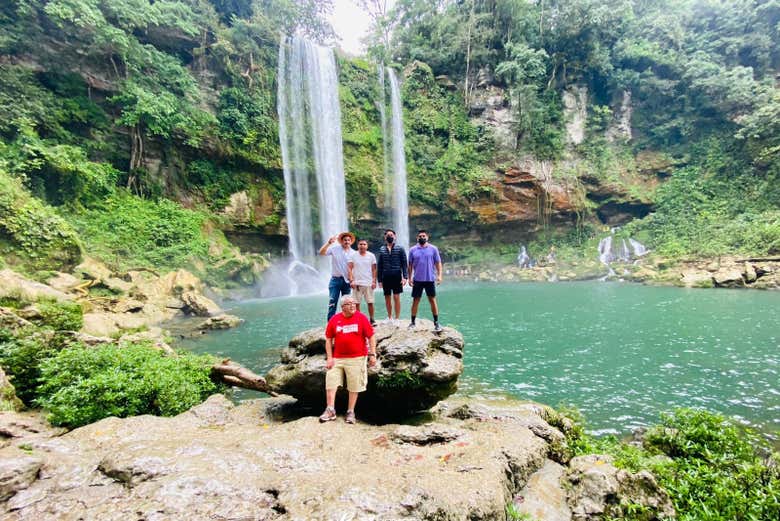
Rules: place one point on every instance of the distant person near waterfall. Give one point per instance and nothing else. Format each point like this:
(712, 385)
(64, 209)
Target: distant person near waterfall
(365, 277)
(341, 268)
(424, 274)
(391, 269)
(349, 343)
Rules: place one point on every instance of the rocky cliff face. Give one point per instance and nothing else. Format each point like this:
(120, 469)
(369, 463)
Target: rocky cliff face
(527, 193)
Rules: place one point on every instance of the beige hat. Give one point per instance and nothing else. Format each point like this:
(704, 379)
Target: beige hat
(342, 234)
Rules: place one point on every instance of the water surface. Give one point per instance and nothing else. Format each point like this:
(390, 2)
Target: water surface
(621, 353)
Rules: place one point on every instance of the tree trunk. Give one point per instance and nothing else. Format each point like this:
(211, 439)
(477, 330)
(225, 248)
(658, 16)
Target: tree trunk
(136, 156)
(468, 55)
(237, 375)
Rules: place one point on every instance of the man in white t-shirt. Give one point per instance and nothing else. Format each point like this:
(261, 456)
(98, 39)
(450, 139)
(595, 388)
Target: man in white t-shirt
(341, 278)
(364, 272)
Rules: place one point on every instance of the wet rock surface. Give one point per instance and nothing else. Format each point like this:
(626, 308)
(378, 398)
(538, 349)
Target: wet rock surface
(259, 460)
(415, 369)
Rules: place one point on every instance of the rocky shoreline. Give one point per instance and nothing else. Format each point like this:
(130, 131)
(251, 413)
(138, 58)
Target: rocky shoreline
(134, 306)
(726, 272)
(221, 461)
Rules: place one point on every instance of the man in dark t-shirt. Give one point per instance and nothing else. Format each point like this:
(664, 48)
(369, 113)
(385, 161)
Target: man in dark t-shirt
(349, 341)
(391, 272)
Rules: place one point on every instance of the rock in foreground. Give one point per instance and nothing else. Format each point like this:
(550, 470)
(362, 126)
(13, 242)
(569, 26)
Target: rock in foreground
(415, 369)
(219, 461)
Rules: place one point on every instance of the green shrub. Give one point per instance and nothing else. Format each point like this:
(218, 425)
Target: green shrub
(21, 357)
(82, 385)
(61, 316)
(710, 466)
(130, 231)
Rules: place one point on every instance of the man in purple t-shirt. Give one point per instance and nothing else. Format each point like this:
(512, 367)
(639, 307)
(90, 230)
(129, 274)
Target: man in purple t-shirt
(424, 274)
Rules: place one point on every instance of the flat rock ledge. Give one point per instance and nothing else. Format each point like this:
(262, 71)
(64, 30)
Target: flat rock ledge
(415, 369)
(220, 461)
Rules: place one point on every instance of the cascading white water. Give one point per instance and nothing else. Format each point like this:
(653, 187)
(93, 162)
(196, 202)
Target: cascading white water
(322, 89)
(292, 139)
(307, 98)
(523, 259)
(382, 104)
(400, 203)
(605, 250)
(607, 256)
(639, 248)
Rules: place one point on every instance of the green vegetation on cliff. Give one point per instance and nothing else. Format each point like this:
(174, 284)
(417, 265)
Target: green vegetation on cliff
(697, 76)
(173, 102)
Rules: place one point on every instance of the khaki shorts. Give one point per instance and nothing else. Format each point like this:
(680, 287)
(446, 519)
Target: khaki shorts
(355, 370)
(365, 293)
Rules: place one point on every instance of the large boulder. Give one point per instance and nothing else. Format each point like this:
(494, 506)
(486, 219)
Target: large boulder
(596, 489)
(199, 305)
(415, 369)
(15, 286)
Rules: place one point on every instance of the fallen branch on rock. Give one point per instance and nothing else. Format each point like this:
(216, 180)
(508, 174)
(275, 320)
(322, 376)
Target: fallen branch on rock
(239, 376)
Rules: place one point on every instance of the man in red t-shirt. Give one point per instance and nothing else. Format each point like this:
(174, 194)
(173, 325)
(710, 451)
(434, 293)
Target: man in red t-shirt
(346, 349)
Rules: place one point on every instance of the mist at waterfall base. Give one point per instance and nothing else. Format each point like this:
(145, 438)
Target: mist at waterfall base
(621, 353)
(291, 277)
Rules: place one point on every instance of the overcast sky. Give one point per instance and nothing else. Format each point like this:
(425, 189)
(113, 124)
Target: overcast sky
(351, 24)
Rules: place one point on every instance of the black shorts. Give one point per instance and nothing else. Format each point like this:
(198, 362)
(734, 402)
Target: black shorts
(428, 286)
(392, 284)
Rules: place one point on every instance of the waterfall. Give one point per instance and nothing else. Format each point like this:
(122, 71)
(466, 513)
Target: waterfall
(293, 144)
(322, 88)
(382, 104)
(639, 248)
(307, 97)
(605, 250)
(623, 253)
(400, 203)
(310, 139)
(523, 260)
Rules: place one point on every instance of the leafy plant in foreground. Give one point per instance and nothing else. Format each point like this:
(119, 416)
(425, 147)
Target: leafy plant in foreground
(82, 385)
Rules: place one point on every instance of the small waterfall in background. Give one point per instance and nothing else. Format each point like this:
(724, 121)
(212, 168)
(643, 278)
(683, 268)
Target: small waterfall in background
(309, 134)
(400, 201)
(622, 253)
(523, 259)
(639, 248)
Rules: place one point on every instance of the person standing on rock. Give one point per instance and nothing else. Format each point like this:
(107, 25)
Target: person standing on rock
(341, 268)
(365, 277)
(391, 269)
(424, 274)
(349, 341)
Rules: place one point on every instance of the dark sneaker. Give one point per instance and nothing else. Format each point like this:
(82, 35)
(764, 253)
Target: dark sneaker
(437, 328)
(412, 326)
(373, 323)
(329, 415)
(350, 417)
